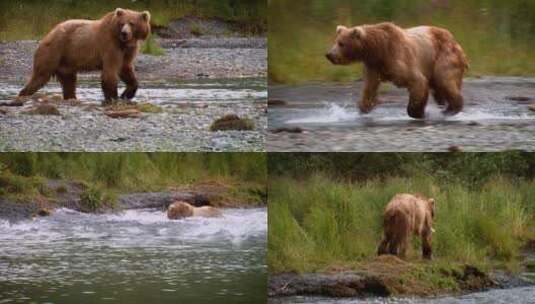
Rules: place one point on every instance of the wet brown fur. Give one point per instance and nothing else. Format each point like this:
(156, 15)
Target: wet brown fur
(420, 59)
(85, 45)
(404, 215)
(180, 209)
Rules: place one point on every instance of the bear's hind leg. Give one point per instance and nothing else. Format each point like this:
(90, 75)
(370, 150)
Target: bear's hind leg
(37, 81)
(419, 93)
(448, 81)
(68, 85)
(129, 77)
(427, 251)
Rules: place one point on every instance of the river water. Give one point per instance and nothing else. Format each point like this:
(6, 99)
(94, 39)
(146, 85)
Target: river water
(138, 256)
(490, 121)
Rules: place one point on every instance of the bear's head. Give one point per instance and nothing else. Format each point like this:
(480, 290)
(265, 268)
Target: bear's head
(179, 210)
(131, 26)
(348, 46)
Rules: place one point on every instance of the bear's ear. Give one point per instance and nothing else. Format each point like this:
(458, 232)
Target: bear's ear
(119, 12)
(145, 15)
(357, 32)
(340, 28)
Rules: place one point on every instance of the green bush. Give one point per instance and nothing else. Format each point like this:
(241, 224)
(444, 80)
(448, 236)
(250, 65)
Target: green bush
(91, 199)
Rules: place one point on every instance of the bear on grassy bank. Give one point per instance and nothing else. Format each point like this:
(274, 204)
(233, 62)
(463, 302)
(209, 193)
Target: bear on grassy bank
(109, 44)
(179, 210)
(404, 215)
(420, 59)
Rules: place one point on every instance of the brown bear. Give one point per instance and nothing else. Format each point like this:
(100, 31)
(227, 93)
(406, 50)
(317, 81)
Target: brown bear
(420, 59)
(180, 209)
(404, 215)
(109, 44)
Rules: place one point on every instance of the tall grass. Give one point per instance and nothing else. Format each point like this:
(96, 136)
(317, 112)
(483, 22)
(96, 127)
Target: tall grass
(24, 19)
(496, 35)
(139, 171)
(319, 221)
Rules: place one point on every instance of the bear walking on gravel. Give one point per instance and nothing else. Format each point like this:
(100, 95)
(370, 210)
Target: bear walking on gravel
(404, 215)
(180, 209)
(420, 59)
(109, 44)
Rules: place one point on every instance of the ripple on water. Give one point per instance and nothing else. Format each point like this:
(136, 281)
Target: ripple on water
(114, 256)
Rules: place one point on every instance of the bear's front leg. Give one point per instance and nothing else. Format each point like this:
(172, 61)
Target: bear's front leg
(129, 77)
(372, 80)
(419, 93)
(109, 85)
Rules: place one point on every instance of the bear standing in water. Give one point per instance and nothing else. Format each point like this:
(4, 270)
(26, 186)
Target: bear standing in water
(420, 59)
(404, 215)
(109, 44)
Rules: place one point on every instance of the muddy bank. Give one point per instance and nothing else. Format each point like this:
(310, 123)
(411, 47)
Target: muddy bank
(496, 117)
(65, 194)
(389, 276)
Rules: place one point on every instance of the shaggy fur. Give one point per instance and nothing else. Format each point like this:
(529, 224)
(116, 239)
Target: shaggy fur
(109, 44)
(420, 59)
(404, 215)
(179, 210)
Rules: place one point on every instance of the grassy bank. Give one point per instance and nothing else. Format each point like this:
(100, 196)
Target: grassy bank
(320, 223)
(496, 35)
(237, 176)
(24, 19)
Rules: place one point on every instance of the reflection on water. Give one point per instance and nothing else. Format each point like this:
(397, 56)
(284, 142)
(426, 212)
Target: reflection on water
(212, 90)
(138, 256)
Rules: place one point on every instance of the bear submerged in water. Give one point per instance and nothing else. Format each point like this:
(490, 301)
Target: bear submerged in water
(179, 210)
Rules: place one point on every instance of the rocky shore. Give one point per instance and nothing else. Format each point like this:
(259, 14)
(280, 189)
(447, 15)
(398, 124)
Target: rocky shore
(389, 276)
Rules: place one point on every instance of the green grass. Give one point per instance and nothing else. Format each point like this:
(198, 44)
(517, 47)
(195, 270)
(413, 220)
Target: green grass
(23, 19)
(23, 174)
(152, 47)
(318, 221)
(496, 35)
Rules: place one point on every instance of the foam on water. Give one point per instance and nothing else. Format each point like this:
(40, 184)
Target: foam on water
(235, 225)
(336, 113)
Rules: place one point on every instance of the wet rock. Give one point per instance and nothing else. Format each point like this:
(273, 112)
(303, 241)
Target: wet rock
(472, 278)
(126, 113)
(15, 103)
(276, 103)
(473, 123)
(455, 148)
(44, 109)
(344, 284)
(531, 107)
(2, 111)
(518, 98)
(232, 122)
(288, 130)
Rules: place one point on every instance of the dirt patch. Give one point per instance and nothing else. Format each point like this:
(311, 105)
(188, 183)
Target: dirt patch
(383, 276)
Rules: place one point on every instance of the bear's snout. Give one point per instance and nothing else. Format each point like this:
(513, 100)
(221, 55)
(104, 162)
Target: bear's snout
(126, 33)
(331, 57)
